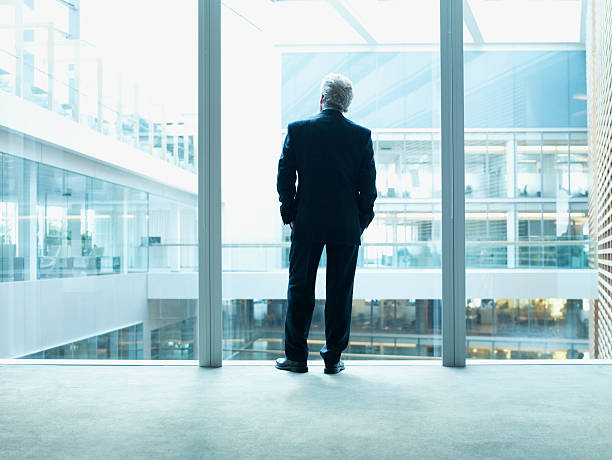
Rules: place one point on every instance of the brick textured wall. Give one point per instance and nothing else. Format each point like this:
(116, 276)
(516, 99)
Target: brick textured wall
(599, 64)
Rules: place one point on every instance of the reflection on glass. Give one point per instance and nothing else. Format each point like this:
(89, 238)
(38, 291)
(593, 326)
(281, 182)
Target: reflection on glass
(527, 328)
(380, 329)
(125, 343)
(87, 226)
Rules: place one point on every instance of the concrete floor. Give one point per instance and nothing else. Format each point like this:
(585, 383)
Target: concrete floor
(417, 411)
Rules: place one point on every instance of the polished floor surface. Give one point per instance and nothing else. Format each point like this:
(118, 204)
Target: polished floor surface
(243, 412)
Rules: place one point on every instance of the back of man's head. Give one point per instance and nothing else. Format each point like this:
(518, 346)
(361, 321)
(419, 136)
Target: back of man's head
(337, 92)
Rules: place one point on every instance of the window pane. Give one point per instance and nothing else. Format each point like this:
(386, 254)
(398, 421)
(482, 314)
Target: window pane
(392, 58)
(526, 156)
(98, 190)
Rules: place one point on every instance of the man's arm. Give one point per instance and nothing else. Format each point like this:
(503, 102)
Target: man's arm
(285, 180)
(367, 186)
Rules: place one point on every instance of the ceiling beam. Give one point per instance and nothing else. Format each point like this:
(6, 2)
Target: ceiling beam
(470, 22)
(342, 9)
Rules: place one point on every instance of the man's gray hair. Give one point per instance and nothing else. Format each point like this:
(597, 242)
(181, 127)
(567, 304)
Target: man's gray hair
(337, 92)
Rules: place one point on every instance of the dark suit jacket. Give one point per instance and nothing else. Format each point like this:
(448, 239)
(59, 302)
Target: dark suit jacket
(334, 162)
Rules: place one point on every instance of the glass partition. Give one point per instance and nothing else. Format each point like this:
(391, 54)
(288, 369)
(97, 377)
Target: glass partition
(110, 250)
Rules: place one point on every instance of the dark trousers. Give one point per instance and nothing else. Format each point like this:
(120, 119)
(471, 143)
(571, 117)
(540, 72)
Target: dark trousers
(303, 262)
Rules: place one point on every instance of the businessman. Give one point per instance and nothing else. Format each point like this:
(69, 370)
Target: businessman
(333, 161)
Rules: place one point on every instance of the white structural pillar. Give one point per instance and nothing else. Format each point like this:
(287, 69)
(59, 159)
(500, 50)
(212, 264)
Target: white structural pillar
(453, 179)
(209, 182)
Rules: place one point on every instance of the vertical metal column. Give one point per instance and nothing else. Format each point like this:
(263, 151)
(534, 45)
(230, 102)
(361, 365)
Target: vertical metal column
(76, 87)
(74, 20)
(119, 108)
(209, 182)
(453, 194)
(100, 94)
(136, 118)
(50, 66)
(19, 48)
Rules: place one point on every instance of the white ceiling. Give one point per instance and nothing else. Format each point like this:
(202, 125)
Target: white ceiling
(335, 22)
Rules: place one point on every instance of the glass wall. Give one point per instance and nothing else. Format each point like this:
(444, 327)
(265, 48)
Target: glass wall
(526, 185)
(88, 226)
(55, 223)
(98, 191)
(18, 259)
(526, 176)
(526, 172)
(397, 95)
(68, 225)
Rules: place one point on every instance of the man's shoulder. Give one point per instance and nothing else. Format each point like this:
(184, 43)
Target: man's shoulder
(361, 130)
(357, 130)
(295, 125)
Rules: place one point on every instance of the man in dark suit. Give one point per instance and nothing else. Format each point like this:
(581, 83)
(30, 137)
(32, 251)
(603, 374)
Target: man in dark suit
(334, 203)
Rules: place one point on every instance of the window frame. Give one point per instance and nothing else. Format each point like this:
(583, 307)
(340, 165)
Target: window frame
(209, 184)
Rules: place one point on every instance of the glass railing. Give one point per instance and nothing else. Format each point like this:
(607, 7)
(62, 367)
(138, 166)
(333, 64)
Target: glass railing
(72, 84)
(63, 267)
(183, 257)
(173, 257)
(423, 255)
(415, 255)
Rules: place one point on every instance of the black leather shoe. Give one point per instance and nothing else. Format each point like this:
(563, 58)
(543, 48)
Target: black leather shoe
(285, 364)
(334, 368)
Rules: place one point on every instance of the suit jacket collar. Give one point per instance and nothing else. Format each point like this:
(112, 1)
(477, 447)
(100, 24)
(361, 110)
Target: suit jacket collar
(332, 112)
